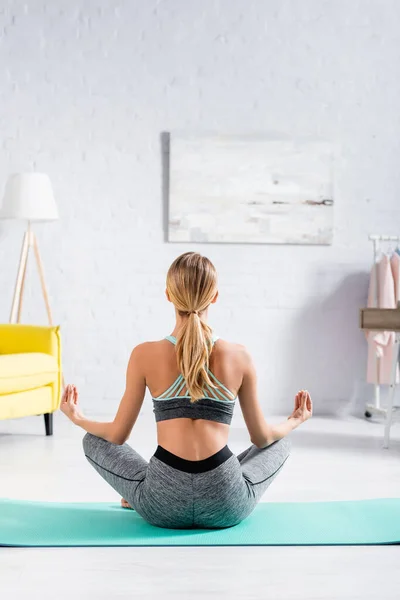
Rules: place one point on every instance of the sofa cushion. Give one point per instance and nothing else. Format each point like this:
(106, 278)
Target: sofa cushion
(26, 371)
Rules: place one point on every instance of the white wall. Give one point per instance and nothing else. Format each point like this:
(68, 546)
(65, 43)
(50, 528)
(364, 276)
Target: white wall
(85, 92)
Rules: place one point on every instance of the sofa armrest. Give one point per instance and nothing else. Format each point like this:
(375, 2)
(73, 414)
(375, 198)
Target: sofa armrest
(16, 338)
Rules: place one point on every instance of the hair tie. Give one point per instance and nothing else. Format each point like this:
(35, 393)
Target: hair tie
(193, 312)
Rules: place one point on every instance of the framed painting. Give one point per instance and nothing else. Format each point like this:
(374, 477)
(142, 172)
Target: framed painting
(250, 190)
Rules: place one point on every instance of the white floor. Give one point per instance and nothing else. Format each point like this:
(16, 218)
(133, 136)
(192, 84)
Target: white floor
(331, 460)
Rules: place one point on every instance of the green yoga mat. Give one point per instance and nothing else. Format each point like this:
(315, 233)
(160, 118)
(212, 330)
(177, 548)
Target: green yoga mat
(375, 521)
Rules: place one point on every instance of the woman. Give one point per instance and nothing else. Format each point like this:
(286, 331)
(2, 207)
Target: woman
(193, 480)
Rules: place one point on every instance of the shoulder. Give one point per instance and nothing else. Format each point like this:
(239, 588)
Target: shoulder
(145, 349)
(237, 352)
(143, 355)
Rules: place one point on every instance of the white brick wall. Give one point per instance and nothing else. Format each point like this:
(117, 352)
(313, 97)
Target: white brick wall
(85, 91)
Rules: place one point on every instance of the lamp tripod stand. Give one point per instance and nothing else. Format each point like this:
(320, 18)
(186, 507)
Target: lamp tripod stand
(29, 242)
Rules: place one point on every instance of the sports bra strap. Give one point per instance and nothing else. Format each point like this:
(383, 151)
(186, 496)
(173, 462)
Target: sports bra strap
(220, 394)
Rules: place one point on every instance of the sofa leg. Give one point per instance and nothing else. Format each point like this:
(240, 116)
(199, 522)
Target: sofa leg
(48, 423)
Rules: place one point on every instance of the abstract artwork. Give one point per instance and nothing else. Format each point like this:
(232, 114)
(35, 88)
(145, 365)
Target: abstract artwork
(250, 190)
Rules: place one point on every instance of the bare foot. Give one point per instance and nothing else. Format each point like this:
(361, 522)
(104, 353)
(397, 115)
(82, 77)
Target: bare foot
(125, 504)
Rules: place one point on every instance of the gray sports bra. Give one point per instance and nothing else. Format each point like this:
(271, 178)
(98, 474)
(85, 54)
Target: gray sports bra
(174, 403)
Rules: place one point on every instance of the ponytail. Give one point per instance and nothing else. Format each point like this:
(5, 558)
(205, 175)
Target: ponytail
(193, 349)
(192, 285)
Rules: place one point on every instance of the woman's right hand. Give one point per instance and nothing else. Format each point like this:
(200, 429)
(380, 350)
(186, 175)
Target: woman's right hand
(69, 403)
(302, 407)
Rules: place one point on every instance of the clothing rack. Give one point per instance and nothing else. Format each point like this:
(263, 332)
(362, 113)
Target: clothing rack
(376, 408)
(386, 319)
(375, 239)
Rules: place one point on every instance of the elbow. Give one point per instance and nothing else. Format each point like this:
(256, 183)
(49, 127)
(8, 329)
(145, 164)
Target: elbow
(257, 442)
(117, 438)
(263, 440)
(260, 444)
(117, 433)
(117, 441)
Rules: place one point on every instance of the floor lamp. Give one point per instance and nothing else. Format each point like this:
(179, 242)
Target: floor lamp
(28, 197)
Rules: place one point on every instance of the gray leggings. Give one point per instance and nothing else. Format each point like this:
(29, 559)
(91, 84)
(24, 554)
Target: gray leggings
(169, 491)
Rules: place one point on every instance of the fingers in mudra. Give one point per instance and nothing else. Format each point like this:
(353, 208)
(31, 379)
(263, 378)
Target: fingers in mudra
(70, 394)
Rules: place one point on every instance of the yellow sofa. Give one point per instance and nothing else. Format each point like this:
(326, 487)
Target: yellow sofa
(30, 372)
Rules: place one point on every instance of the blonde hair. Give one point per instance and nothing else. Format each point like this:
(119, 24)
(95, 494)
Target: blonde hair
(192, 285)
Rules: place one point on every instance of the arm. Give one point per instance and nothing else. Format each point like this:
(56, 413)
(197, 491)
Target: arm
(118, 430)
(262, 434)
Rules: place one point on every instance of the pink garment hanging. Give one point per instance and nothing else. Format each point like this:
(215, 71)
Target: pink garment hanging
(395, 266)
(381, 343)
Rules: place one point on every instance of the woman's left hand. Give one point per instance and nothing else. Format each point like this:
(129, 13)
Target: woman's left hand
(69, 403)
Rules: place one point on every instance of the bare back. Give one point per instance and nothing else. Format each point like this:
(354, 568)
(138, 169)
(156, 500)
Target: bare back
(193, 439)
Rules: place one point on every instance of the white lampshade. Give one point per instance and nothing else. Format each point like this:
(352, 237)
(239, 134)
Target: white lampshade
(29, 196)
